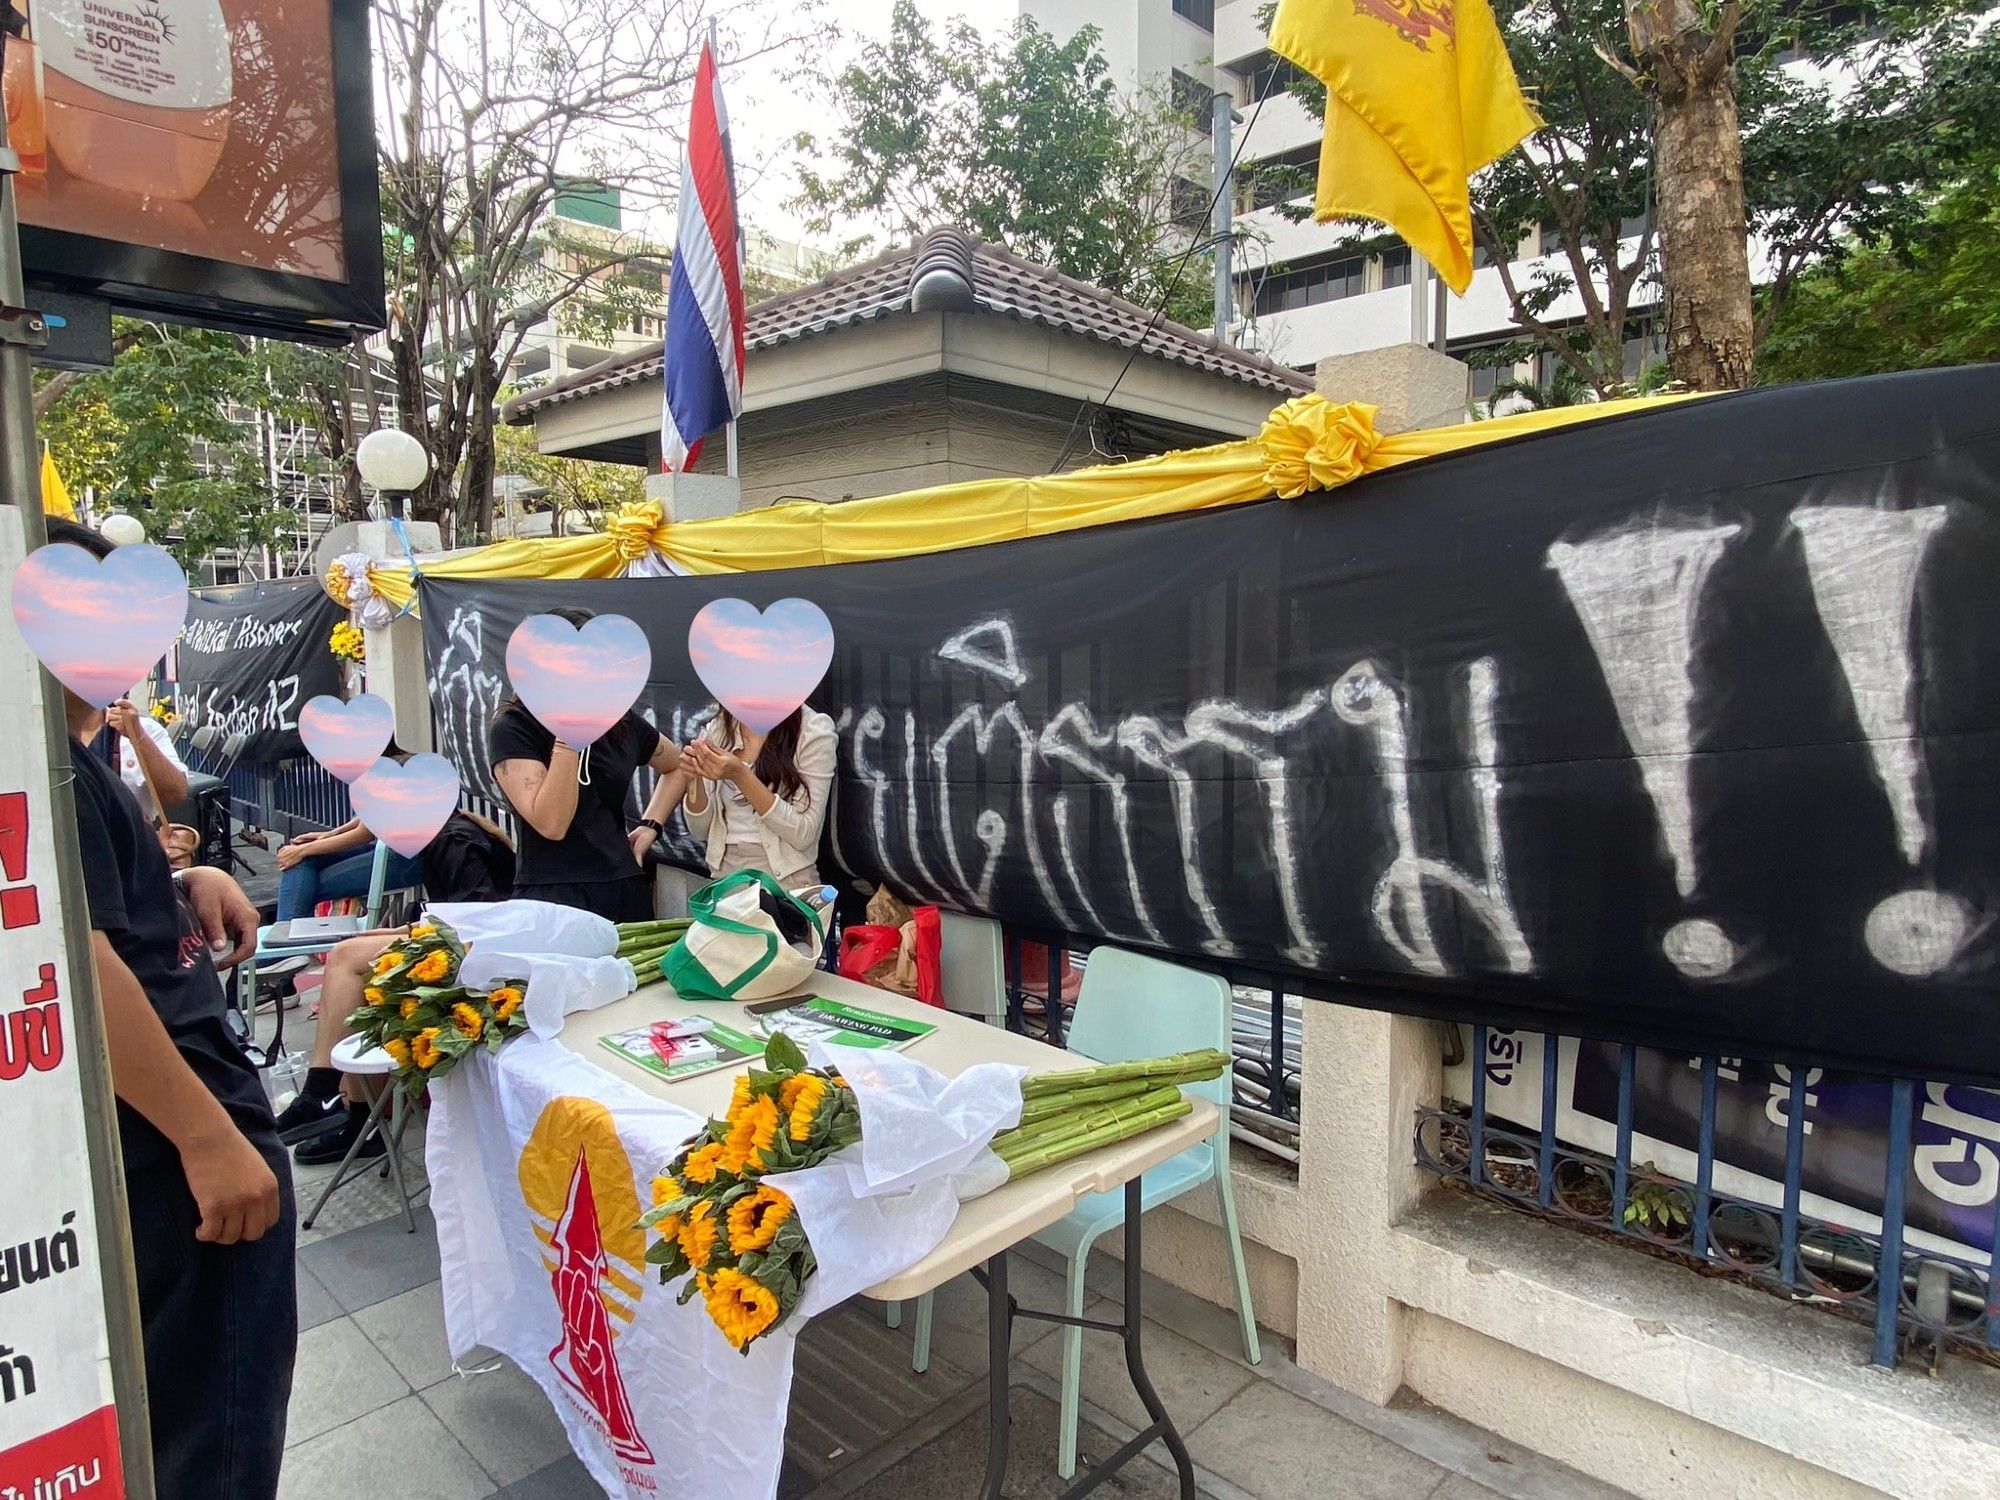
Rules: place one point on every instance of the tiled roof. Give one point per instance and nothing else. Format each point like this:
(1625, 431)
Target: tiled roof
(945, 269)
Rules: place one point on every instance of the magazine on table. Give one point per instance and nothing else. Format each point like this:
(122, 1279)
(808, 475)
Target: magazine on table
(818, 1019)
(685, 1046)
(688, 1046)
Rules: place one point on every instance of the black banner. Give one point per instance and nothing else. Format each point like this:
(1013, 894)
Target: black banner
(251, 656)
(1677, 728)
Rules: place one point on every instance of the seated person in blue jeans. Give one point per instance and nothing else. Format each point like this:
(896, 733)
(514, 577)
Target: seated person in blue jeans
(318, 867)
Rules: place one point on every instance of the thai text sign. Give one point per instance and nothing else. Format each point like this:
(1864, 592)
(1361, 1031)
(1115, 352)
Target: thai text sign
(58, 1426)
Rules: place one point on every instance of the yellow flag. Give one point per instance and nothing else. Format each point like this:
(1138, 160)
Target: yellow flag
(55, 494)
(1420, 95)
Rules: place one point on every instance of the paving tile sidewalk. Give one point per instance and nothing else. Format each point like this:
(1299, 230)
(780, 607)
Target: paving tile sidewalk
(378, 1408)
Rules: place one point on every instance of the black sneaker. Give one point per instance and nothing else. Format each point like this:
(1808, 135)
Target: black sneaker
(307, 1118)
(331, 1149)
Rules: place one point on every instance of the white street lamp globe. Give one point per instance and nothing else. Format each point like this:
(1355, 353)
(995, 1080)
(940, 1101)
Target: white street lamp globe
(392, 460)
(122, 530)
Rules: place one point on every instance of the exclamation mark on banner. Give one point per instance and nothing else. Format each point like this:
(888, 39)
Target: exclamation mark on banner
(19, 906)
(1864, 563)
(1638, 594)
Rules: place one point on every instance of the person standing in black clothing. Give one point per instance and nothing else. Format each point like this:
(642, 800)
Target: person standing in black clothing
(209, 1190)
(569, 806)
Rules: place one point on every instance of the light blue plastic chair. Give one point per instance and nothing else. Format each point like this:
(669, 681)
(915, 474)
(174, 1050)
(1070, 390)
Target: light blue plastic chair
(1132, 1007)
(270, 951)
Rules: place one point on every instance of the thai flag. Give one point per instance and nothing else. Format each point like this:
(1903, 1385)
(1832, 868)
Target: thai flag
(704, 353)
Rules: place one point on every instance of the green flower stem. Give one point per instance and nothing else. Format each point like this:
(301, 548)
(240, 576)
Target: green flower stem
(1046, 1105)
(1182, 1067)
(1102, 1125)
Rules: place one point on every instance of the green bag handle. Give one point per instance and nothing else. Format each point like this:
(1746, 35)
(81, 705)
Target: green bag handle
(702, 907)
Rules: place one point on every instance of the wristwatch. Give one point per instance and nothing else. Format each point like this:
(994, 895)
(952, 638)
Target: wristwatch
(653, 823)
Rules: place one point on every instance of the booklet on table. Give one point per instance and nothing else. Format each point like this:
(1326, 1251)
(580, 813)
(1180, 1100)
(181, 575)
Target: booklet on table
(685, 1046)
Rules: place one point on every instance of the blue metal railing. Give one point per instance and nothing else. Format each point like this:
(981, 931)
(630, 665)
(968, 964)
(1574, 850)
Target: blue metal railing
(284, 796)
(1938, 1295)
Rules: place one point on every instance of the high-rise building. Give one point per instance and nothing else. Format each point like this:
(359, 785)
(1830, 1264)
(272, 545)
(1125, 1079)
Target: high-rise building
(1304, 291)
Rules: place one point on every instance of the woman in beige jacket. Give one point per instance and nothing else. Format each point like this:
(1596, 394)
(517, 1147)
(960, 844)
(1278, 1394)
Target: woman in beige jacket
(758, 800)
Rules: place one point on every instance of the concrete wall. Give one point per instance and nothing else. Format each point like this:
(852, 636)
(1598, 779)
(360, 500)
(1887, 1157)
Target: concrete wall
(1669, 1384)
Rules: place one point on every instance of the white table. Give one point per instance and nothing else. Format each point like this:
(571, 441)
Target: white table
(986, 1228)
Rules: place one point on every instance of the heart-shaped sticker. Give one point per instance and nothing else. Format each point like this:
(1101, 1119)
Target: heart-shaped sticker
(761, 666)
(405, 806)
(100, 626)
(578, 683)
(347, 738)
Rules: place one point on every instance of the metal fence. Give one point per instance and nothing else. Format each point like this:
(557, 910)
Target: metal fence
(285, 796)
(1917, 1301)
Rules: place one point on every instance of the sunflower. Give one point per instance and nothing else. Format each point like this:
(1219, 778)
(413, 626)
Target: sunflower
(751, 1136)
(424, 1050)
(811, 1093)
(431, 967)
(424, 930)
(699, 1234)
(373, 995)
(398, 1050)
(468, 1020)
(754, 1221)
(701, 1165)
(666, 1188)
(788, 1091)
(506, 1000)
(408, 1008)
(386, 964)
(739, 1097)
(741, 1306)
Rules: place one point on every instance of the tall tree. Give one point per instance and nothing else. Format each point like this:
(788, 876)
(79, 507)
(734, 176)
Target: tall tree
(1683, 63)
(1027, 142)
(162, 435)
(491, 111)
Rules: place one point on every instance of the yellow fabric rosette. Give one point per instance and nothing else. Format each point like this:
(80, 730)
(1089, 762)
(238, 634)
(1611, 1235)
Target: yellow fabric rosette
(1316, 444)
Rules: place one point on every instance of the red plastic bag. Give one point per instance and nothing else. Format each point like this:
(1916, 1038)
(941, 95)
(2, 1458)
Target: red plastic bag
(866, 945)
(930, 956)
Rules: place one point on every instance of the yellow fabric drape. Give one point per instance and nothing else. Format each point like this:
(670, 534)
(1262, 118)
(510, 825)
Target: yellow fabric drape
(1308, 445)
(55, 494)
(1419, 96)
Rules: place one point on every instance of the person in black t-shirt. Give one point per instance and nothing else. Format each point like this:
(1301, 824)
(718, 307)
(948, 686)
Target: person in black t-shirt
(209, 1191)
(570, 806)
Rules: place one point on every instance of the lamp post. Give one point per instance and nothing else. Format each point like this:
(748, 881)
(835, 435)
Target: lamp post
(122, 530)
(393, 464)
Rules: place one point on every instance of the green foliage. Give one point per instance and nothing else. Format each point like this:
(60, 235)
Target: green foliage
(577, 487)
(154, 435)
(1936, 301)
(1027, 142)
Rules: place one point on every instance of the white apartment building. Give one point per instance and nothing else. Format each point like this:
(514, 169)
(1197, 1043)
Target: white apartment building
(1304, 291)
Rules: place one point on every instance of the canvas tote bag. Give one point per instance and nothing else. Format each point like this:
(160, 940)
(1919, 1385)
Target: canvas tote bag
(734, 951)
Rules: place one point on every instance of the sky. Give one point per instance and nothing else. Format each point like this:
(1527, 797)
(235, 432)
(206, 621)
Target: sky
(766, 111)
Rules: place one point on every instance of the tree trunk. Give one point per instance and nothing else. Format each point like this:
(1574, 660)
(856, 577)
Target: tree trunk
(1690, 76)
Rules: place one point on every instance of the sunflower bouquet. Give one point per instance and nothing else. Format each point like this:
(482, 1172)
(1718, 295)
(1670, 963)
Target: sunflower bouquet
(415, 1009)
(734, 1235)
(348, 643)
(737, 1237)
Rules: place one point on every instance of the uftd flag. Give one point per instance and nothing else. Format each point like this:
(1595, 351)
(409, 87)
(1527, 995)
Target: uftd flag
(1420, 95)
(704, 353)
